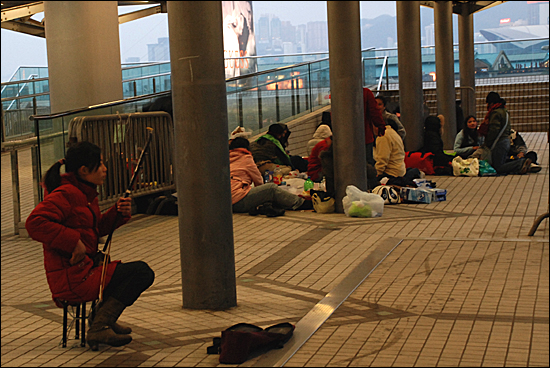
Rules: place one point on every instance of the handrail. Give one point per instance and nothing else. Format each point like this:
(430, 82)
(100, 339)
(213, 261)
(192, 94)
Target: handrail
(24, 96)
(475, 43)
(143, 97)
(20, 89)
(24, 81)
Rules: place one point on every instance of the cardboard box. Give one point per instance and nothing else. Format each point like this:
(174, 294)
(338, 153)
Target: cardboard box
(417, 195)
(438, 195)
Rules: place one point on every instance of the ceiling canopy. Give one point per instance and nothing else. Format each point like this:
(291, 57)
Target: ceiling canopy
(16, 15)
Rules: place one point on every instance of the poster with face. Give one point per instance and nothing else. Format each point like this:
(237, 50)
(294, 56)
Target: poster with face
(238, 38)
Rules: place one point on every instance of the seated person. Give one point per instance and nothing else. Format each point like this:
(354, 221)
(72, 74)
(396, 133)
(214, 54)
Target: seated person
(433, 143)
(518, 149)
(314, 166)
(298, 162)
(467, 141)
(389, 154)
(496, 130)
(432, 135)
(323, 131)
(268, 150)
(390, 119)
(246, 198)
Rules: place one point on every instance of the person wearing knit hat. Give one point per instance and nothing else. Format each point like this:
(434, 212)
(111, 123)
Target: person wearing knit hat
(496, 130)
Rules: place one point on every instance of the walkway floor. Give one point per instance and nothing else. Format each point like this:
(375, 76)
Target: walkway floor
(464, 285)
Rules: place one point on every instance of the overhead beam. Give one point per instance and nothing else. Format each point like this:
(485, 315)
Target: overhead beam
(31, 29)
(22, 11)
(128, 17)
(475, 6)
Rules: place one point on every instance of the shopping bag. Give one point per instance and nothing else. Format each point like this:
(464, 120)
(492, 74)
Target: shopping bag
(362, 204)
(465, 167)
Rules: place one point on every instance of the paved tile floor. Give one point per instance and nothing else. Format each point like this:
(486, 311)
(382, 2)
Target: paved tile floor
(465, 286)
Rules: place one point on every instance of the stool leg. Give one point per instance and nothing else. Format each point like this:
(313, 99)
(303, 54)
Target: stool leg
(83, 323)
(77, 325)
(64, 344)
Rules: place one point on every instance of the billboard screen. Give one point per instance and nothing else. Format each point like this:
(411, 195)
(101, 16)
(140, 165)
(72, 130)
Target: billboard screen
(238, 38)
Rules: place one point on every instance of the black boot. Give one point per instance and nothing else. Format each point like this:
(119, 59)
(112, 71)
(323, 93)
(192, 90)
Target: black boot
(100, 331)
(271, 211)
(117, 328)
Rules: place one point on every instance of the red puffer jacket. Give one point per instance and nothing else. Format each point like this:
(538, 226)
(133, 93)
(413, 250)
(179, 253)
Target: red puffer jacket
(67, 214)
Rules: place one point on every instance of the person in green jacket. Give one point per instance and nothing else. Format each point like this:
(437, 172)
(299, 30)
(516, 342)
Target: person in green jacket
(269, 149)
(496, 130)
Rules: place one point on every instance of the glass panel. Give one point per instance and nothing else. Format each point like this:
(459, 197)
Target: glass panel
(165, 68)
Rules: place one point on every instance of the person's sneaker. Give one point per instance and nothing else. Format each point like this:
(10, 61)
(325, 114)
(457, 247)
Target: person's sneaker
(535, 168)
(526, 165)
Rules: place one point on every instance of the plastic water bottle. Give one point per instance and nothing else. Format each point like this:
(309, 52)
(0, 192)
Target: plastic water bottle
(308, 184)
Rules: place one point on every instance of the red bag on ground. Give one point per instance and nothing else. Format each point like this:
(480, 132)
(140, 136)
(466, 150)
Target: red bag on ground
(420, 161)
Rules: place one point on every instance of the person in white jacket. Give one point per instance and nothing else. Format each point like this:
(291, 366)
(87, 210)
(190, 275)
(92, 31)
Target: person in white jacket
(389, 154)
(322, 132)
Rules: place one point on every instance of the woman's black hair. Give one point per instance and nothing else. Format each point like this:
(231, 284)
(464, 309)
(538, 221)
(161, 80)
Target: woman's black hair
(81, 154)
(239, 142)
(472, 133)
(432, 124)
(383, 99)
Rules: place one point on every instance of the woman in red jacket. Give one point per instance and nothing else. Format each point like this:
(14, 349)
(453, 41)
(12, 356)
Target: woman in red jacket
(68, 223)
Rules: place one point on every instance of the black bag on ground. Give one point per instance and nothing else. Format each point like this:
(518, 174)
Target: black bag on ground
(244, 341)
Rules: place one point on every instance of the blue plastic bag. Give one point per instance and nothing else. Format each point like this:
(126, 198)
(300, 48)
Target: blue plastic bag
(485, 169)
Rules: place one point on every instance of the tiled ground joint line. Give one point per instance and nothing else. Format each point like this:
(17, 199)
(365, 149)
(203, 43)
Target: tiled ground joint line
(306, 327)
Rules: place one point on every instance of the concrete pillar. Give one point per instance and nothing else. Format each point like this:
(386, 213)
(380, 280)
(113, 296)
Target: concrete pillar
(444, 69)
(202, 155)
(409, 58)
(344, 40)
(467, 60)
(83, 47)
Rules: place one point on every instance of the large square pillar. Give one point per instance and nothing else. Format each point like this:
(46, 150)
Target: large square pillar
(409, 58)
(199, 99)
(344, 39)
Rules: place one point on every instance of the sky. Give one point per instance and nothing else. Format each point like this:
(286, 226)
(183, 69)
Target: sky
(19, 49)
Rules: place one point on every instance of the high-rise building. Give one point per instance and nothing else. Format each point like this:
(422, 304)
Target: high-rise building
(262, 29)
(430, 35)
(159, 51)
(288, 32)
(275, 28)
(301, 32)
(317, 36)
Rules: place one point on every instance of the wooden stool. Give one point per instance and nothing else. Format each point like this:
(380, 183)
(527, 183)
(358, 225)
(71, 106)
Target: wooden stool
(79, 316)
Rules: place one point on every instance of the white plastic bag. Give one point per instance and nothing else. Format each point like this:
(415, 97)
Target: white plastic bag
(465, 167)
(362, 204)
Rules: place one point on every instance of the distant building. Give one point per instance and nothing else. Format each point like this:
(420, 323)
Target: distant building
(159, 51)
(317, 37)
(133, 59)
(301, 32)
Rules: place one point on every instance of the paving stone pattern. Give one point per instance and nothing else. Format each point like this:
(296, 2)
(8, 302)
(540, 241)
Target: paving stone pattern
(465, 287)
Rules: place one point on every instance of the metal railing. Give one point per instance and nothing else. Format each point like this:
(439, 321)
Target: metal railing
(146, 80)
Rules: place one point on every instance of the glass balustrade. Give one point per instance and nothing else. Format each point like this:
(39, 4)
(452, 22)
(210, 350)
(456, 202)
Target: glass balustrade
(276, 92)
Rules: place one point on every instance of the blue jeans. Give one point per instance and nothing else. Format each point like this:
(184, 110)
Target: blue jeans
(499, 154)
(269, 192)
